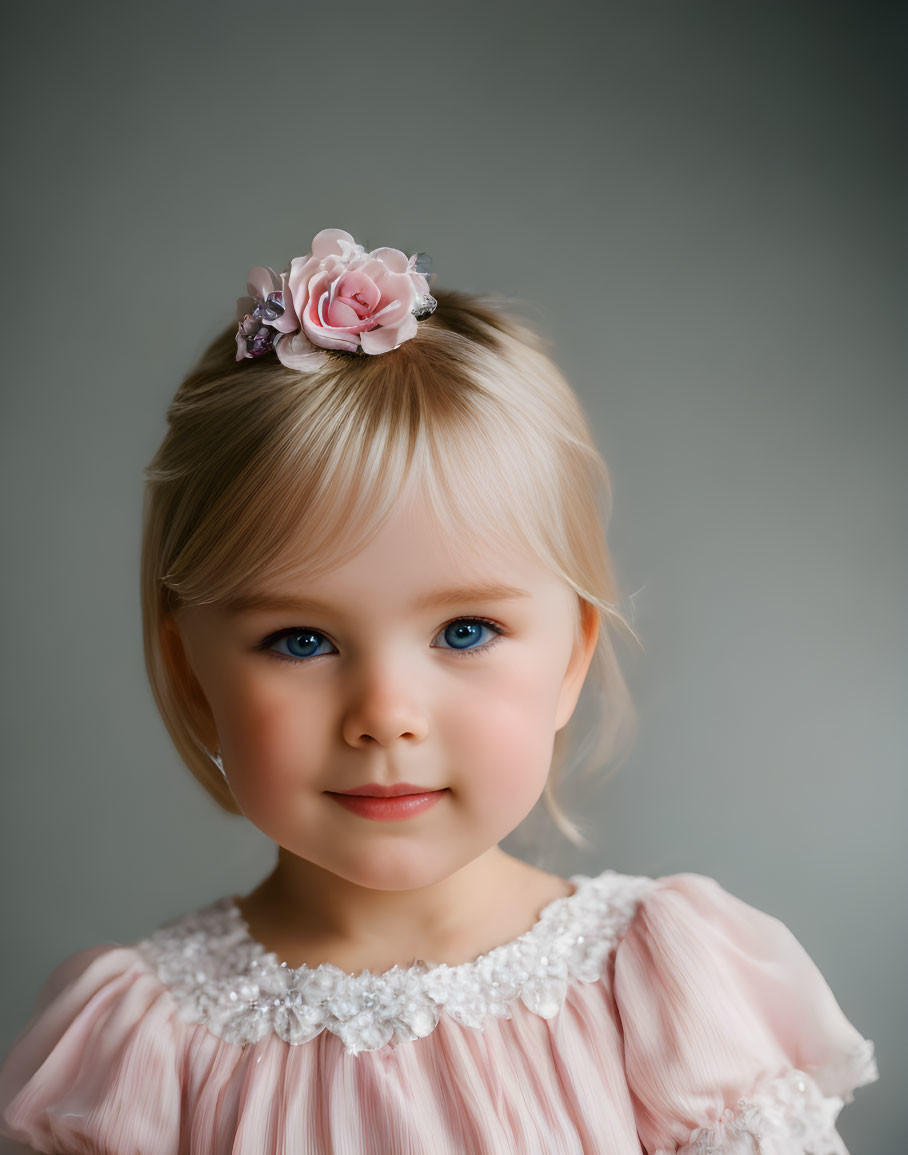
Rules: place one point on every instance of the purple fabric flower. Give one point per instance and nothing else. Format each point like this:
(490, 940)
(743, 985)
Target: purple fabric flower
(263, 315)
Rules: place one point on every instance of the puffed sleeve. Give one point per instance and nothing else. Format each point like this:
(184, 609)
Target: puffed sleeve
(734, 1044)
(95, 1070)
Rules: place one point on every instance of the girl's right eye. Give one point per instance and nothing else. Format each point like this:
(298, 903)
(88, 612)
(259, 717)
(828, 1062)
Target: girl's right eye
(294, 644)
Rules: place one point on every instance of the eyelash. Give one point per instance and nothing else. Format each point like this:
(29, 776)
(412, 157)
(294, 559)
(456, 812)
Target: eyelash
(266, 644)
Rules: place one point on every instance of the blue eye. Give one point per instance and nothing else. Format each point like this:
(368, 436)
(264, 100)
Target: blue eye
(467, 634)
(297, 643)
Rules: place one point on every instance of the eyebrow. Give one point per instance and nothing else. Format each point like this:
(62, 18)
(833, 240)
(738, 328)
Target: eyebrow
(485, 592)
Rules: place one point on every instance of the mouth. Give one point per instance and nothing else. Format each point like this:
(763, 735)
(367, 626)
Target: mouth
(394, 803)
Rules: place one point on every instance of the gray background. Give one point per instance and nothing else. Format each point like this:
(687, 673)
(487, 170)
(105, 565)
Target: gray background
(703, 202)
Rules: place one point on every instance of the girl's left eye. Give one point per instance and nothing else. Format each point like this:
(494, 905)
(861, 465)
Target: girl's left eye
(467, 634)
(295, 644)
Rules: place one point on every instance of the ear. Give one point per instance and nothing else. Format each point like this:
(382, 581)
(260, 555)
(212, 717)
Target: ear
(185, 682)
(578, 666)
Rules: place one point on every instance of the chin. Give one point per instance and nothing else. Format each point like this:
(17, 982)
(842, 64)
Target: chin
(410, 869)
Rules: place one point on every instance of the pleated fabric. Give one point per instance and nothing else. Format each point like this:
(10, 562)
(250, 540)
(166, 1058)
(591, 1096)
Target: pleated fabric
(709, 1030)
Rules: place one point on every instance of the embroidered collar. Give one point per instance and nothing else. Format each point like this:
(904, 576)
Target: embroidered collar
(220, 976)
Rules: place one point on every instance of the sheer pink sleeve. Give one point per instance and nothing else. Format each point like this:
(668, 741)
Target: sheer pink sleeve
(96, 1068)
(734, 1043)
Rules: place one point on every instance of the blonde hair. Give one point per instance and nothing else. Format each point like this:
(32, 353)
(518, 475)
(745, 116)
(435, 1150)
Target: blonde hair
(472, 406)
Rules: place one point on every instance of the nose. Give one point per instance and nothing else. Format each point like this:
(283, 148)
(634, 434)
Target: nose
(384, 707)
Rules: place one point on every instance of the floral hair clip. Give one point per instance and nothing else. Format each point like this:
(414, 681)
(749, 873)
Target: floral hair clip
(337, 297)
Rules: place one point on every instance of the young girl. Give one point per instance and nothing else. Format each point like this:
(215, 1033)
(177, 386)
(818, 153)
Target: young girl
(374, 581)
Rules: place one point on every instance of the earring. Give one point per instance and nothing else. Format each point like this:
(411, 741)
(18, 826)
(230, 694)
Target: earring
(218, 761)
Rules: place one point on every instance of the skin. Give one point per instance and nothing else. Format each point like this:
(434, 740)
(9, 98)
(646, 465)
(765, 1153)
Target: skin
(386, 698)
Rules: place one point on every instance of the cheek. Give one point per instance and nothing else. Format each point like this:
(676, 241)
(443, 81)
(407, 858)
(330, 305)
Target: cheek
(269, 735)
(509, 729)
(517, 759)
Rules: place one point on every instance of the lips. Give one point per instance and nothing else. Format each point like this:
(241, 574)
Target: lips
(403, 800)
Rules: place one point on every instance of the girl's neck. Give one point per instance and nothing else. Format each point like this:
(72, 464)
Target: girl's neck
(306, 915)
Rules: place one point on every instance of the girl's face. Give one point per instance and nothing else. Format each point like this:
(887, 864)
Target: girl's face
(446, 665)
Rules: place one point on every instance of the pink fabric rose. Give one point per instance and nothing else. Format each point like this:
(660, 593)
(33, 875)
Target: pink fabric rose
(349, 299)
(337, 297)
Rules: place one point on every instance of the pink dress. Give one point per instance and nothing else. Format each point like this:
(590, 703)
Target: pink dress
(661, 1016)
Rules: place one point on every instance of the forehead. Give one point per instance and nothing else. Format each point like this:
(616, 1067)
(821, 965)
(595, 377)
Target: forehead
(460, 507)
(414, 563)
(415, 556)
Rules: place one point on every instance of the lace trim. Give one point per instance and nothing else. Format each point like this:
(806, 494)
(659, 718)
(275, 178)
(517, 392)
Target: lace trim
(220, 976)
(787, 1116)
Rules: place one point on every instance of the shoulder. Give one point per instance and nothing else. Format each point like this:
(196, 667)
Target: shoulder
(102, 1016)
(730, 1029)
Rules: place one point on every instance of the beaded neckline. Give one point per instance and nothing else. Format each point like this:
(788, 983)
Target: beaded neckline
(222, 977)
